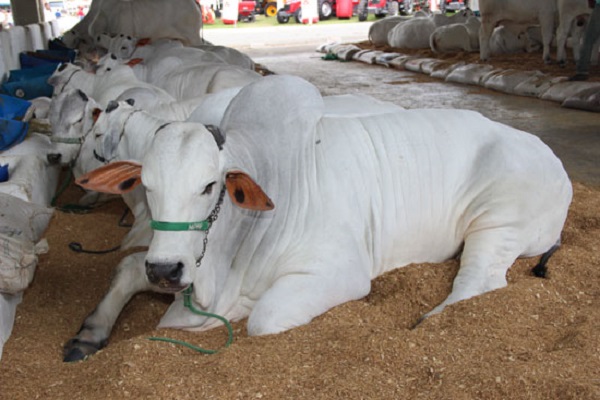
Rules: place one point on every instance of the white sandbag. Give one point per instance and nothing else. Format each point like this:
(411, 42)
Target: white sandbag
(367, 56)
(8, 309)
(442, 70)
(30, 178)
(345, 51)
(587, 99)
(505, 81)
(22, 218)
(430, 64)
(398, 62)
(415, 64)
(326, 47)
(385, 58)
(563, 90)
(535, 86)
(470, 73)
(21, 226)
(17, 262)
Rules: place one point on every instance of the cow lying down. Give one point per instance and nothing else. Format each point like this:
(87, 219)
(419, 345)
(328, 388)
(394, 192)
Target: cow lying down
(311, 207)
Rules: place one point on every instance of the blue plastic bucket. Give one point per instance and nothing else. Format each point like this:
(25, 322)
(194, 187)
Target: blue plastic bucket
(12, 107)
(12, 132)
(3, 173)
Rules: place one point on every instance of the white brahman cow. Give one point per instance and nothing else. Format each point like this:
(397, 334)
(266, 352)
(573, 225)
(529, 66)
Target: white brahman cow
(118, 83)
(378, 32)
(154, 19)
(572, 22)
(530, 12)
(456, 37)
(306, 209)
(512, 38)
(415, 33)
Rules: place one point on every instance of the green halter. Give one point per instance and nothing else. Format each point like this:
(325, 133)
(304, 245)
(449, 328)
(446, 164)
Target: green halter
(180, 226)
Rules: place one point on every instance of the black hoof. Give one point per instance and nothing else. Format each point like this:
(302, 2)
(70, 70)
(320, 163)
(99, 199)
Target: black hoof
(77, 350)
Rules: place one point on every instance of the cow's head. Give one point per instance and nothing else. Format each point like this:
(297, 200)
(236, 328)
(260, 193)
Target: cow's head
(185, 183)
(109, 128)
(71, 116)
(61, 77)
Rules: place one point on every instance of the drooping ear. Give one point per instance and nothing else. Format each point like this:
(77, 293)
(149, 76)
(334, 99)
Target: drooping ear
(134, 61)
(246, 193)
(118, 177)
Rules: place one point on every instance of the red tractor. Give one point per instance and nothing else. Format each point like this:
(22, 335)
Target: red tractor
(293, 8)
(246, 12)
(327, 9)
(383, 8)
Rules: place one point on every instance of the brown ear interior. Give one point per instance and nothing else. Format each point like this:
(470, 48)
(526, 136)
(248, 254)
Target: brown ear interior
(246, 193)
(118, 177)
(134, 61)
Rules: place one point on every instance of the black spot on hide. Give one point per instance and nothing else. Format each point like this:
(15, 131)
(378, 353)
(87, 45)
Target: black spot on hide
(239, 196)
(82, 95)
(127, 184)
(112, 105)
(112, 56)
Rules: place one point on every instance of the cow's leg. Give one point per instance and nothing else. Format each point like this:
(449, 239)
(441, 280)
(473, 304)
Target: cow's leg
(547, 24)
(485, 33)
(486, 257)
(95, 330)
(298, 297)
(561, 41)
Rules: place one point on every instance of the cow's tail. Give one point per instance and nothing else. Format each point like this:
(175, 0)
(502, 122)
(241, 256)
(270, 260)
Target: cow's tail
(541, 269)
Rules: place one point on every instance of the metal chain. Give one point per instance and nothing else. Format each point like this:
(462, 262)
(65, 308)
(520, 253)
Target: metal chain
(214, 214)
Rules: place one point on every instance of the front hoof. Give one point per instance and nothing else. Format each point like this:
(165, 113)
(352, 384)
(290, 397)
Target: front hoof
(78, 350)
(416, 324)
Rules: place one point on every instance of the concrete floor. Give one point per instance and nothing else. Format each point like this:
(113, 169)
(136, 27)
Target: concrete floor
(572, 134)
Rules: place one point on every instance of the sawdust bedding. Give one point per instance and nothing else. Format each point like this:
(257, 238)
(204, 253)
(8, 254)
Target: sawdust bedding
(535, 339)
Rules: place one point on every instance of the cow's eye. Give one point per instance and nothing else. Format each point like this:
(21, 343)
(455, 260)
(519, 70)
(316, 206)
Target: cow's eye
(208, 189)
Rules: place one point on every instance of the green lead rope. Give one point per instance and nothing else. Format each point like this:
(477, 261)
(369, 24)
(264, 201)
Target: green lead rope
(187, 302)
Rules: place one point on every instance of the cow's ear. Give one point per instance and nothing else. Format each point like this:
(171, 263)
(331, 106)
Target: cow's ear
(246, 193)
(134, 61)
(118, 177)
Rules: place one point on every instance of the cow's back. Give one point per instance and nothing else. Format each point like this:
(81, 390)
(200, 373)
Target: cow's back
(415, 181)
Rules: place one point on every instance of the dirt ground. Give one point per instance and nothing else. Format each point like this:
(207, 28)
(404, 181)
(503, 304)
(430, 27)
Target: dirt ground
(535, 339)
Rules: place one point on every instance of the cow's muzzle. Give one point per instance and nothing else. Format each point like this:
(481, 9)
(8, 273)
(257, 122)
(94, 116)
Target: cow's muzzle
(167, 276)
(54, 158)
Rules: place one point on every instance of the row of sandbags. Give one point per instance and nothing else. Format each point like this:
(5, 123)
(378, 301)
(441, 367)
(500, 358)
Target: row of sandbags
(27, 184)
(580, 95)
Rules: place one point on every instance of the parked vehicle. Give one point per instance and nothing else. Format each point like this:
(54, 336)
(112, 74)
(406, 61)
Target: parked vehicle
(293, 9)
(266, 7)
(452, 5)
(383, 8)
(246, 12)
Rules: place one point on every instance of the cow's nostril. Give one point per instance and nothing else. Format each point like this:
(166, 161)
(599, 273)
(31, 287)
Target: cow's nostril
(176, 272)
